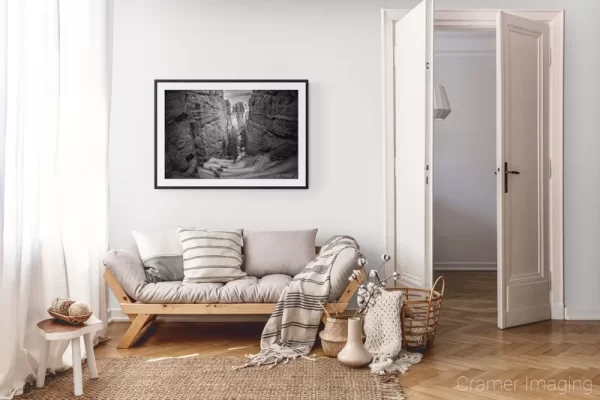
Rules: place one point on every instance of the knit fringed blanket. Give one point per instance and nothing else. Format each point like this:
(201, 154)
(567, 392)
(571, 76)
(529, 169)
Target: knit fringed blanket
(383, 329)
(291, 330)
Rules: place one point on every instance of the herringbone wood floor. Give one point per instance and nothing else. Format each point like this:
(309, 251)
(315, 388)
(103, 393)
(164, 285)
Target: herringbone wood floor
(470, 359)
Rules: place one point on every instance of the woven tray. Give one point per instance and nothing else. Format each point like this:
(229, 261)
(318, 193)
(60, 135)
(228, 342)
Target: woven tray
(78, 320)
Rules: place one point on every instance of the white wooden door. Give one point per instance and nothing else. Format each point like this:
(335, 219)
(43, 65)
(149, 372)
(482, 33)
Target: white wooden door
(523, 170)
(413, 63)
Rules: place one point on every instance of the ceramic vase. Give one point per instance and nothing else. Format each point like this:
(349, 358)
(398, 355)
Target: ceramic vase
(354, 354)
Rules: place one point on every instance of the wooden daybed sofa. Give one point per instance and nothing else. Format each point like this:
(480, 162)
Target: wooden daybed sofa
(143, 301)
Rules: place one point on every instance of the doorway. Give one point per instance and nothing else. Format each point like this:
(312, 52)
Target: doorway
(464, 173)
(527, 291)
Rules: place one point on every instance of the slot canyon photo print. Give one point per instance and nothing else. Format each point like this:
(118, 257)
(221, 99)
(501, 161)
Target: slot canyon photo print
(231, 134)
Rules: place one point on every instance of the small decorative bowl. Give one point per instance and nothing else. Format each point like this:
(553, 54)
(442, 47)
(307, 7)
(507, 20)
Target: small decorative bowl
(73, 320)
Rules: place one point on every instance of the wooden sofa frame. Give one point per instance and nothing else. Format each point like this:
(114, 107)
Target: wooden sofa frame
(142, 315)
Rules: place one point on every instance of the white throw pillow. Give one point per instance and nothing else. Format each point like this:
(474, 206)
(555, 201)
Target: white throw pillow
(161, 254)
(211, 255)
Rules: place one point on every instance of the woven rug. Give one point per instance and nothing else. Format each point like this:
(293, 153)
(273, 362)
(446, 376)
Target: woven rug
(215, 379)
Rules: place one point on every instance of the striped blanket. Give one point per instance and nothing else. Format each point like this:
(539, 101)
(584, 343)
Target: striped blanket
(291, 330)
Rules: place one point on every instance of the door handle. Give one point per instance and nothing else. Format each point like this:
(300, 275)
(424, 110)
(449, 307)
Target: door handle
(506, 172)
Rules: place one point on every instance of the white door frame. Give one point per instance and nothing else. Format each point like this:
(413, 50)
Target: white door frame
(485, 19)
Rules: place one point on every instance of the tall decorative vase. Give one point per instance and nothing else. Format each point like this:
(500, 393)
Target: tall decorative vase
(354, 354)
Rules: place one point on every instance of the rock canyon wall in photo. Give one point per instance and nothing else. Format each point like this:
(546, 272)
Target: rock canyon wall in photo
(216, 134)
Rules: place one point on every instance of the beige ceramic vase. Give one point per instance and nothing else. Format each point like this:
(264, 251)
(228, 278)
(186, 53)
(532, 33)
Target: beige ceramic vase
(354, 354)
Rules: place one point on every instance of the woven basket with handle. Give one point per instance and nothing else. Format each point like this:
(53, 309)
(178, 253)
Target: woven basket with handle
(420, 315)
(334, 336)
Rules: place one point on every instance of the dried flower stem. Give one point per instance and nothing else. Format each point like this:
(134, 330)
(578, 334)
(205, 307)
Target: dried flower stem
(328, 315)
(337, 314)
(380, 282)
(372, 290)
(364, 309)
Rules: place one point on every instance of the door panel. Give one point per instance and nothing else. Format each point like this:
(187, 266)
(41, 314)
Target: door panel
(523, 160)
(413, 63)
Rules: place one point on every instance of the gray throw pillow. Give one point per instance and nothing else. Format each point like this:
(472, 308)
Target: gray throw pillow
(162, 255)
(278, 252)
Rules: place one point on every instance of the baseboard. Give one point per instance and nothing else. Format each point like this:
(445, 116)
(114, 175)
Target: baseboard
(116, 315)
(465, 266)
(591, 313)
(557, 311)
(109, 317)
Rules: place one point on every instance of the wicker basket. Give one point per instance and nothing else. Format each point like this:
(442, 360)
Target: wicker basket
(73, 320)
(334, 336)
(420, 315)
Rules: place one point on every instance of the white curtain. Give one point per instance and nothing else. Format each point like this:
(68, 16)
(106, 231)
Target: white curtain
(55, 59)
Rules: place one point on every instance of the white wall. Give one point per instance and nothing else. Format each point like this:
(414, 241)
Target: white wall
(336, 45)
(336, 49)
(464, 153)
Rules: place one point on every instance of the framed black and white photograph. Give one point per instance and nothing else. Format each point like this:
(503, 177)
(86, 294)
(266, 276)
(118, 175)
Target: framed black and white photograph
(231, 134)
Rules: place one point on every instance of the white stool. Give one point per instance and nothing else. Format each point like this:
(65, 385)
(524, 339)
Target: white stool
(54, 330)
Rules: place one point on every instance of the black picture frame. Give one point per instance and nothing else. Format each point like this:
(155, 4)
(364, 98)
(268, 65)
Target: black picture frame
(206, 183)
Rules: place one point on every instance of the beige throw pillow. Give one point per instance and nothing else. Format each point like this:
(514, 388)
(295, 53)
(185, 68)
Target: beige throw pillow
(211, 255)
(278, 252)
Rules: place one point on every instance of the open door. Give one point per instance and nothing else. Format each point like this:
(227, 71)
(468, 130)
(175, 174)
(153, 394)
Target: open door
(523, 170)
(413, 63)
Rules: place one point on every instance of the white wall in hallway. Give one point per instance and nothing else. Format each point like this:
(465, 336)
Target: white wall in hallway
(464, 158)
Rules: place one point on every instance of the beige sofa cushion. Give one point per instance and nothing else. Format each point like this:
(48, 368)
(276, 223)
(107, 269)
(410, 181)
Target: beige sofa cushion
(127, 268)
(345, 263)
(278, 252)
(245, 290)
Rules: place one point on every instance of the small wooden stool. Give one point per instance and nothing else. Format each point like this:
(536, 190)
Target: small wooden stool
(54, 330)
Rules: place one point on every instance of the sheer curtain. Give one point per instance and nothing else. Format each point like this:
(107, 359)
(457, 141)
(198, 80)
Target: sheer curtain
(55, 59)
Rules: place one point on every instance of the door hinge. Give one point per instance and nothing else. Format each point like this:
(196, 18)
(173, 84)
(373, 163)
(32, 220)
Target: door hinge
(550, 57)
(427, 65)
(427, 174)
(550, 169)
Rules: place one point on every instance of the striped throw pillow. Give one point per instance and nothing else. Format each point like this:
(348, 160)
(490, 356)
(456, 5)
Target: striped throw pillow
(211, 255)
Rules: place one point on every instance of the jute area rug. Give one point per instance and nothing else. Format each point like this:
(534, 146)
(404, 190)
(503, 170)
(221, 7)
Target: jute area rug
(215, 379)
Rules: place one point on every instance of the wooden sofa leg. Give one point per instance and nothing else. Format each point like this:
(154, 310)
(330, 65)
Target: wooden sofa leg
(142, 322)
